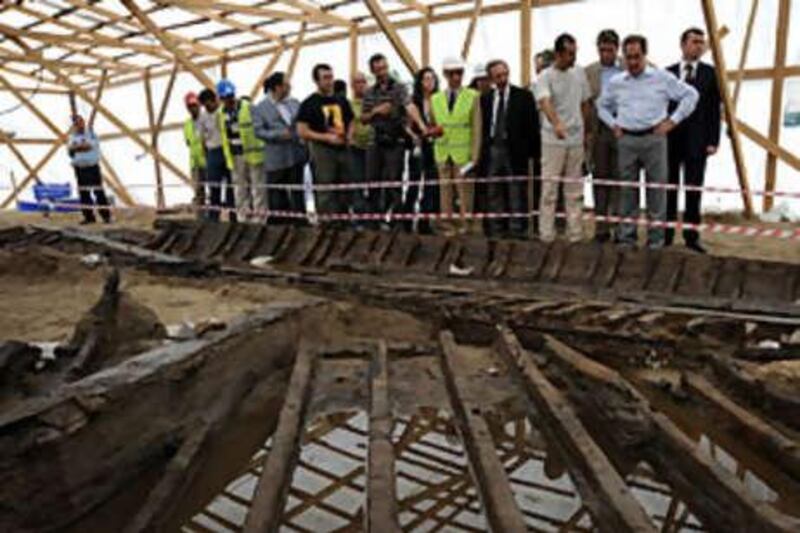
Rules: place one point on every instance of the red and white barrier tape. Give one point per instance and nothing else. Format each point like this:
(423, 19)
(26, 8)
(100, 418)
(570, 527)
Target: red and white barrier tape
(503, 179)
(705, 227)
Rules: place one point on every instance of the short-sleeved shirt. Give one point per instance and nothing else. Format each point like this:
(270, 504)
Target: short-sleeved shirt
(325, 114)
(387, 129)
(86, 158)
(567, 90)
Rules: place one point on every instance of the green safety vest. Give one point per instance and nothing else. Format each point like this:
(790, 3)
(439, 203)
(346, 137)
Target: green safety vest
(456, 142)
(197, 154)
(252, 145)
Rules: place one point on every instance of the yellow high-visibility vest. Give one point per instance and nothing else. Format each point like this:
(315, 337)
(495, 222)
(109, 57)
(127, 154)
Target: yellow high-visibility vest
(456, 141)
(197, 154)
(252, 145)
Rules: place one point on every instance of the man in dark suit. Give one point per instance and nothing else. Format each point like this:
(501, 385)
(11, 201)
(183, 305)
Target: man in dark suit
(510, 142)
(694, 139)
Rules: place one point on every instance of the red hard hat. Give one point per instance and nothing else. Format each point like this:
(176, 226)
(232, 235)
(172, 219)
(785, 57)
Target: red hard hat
(191, 99)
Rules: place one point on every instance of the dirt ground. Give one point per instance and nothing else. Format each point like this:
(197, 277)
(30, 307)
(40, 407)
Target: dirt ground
(43, 293)
(770, 249)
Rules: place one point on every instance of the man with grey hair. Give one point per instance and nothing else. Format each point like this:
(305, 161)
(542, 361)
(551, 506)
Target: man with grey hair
(634, 105)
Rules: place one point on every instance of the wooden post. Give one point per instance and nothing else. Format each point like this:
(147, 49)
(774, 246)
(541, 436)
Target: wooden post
(425, 38)
(223, 67)
(712, 27)
(390, 30)
(745, 49)
(353, 49)
(473, 22)
(298, 44)
(525, 34)
(151, 120)
(776, 105)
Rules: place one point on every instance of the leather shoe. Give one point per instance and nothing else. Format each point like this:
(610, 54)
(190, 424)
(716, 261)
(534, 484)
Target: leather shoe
(696, 247)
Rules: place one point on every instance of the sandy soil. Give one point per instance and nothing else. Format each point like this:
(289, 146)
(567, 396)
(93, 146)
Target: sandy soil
(43, 293)
(770, 249)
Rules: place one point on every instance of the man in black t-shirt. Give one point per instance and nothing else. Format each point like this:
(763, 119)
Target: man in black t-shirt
(325, 122)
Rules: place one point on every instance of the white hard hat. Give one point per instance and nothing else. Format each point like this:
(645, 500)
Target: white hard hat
(452, 63)
(479, 70)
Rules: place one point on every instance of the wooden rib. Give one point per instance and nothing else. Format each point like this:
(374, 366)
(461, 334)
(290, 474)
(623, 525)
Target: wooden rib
(270, 66)
(712, 27)
(169, 43)
(390, 30)
(381, 512)
(276, 476)
(757, 431)
(678, 460)
(473, 22)
(602, 488)
(187, 462)
(494, 489)
(776, 99)
(748, 34)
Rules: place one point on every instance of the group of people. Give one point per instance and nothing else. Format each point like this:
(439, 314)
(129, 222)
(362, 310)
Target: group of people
(484, 157)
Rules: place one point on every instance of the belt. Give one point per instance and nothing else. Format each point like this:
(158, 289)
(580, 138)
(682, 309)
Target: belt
(639, 133)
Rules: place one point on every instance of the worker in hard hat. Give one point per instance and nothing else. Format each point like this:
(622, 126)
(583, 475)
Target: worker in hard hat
(457, 115)
(244, 153)
(197, 152)
(480, 79)
(218, 177)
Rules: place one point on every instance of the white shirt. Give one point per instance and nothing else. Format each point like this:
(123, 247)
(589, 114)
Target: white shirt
(694, 65)
(496, 104)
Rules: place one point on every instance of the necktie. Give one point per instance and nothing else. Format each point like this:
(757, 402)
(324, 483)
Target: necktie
(689, 68)
(500, 119)
(451, 100)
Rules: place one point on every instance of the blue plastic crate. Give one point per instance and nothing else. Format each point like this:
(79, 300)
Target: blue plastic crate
(52, 191)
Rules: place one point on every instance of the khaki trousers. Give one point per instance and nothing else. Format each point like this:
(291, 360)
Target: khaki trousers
(249, 190)
(561, 162)
(448, 173)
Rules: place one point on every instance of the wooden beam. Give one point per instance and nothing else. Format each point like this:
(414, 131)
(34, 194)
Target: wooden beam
(318, 14)
(169, 43)
(525, 36)
(276, 475)
(98, 96)
(296, 52)
(603, 489)
(32, 174)
(381, 514)
(787, 156)
(268, 68)
(151, 120)
(425, 40)
(776, 99)
(767, 73)
(473, 22)
(250, 10)
(232, 23)
(390, 31)
(415, 5)
(748, 34)
(494, 489)
(353, 50)
(47, 121)
(111, 177)
(712, 27)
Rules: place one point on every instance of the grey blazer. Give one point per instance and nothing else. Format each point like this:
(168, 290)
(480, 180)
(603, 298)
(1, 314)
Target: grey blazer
(269, 125)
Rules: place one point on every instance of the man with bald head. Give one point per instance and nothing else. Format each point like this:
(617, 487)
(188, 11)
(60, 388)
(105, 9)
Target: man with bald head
(363, 200)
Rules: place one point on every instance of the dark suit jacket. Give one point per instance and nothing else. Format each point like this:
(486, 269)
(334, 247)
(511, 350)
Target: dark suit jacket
(702, 127)
(522, 123)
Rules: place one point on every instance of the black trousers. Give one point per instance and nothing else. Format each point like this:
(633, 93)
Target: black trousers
(218, 178)
(505, 197)
(90, 187)
(385, 163)
(694, 173)
(286, 199)
(422, 167)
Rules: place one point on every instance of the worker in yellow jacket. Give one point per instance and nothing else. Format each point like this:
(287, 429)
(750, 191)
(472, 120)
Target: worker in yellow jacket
(244, 153)
(197, 153)
(457, 118)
